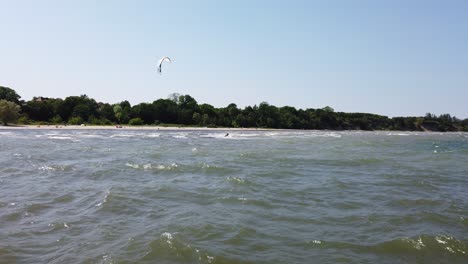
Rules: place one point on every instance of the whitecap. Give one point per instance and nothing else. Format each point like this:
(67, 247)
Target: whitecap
(235, 179)
(60, 137)
(206, 166)
(398, 134)
(168, 237)
(180, 135)
(105, 199)
(46, 168)
(122, 135)
(216, 135)
(53, 168)
(135, 166)
(90, 136)
(165, 167)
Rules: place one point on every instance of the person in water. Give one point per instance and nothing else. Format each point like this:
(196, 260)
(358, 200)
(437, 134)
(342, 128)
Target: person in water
(227, 134)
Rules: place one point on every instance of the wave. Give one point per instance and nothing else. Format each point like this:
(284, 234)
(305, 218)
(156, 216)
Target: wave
(61, 137)
(172, 248)
(179, 135)
(155, 167)
(122, 135)
(104, 200)
(428, 247)
(237, 180)
(55, 168)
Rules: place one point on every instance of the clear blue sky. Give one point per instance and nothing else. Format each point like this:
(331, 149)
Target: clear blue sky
(395, 58)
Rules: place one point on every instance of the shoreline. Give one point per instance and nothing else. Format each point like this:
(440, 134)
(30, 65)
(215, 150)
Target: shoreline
(169, 128)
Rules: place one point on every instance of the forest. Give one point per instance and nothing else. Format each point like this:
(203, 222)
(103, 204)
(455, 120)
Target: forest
(184, 110)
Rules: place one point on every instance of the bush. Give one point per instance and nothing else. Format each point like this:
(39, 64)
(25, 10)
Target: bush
(24, 120)
(56, 120)
(75, 120)
(99, 121)
(135, 122)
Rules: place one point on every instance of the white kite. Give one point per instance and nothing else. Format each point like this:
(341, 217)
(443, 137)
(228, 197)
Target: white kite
(161, 62)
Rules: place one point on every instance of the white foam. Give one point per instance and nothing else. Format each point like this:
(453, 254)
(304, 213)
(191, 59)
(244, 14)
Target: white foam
(105, 199)
(398, 134)
(180, 135)
(235, 179)
(165, 167)
(60, 137)
(135, 166)
(47, 168)
(150, 166)
(219, 135)
(168, 237)
(438, 239)
(90, 136)
(247, 135)
(334, 135)
(122, 135)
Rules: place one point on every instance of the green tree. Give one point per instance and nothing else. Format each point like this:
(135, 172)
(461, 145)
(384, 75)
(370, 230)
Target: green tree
(268, 115)
(165, 111)
(106, 112)
(9, 94)
(9, 111)
(145, 112)
(187, 105)
(118, 113)
(89, 107)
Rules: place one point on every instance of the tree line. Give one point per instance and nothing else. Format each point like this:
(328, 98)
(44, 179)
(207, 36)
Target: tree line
(185, 110)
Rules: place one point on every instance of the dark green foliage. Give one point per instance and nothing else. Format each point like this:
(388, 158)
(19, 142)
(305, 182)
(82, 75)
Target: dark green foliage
(184, 110)
(135, 121)
(9, 111)
(9, 94)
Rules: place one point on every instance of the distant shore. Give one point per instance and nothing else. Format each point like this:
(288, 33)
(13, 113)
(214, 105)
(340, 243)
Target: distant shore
(168, 128)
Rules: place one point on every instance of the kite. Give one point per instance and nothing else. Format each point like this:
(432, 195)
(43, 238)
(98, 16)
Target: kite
(161, 62)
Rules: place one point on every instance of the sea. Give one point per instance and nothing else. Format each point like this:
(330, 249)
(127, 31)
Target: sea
(232, 197)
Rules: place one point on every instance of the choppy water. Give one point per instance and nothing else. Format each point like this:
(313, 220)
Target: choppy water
(123, 196)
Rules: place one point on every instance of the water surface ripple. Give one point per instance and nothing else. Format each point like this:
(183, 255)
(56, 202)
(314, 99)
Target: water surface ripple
(150, 196)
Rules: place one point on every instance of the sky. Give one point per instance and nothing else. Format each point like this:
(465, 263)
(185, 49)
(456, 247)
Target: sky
(394, 58)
